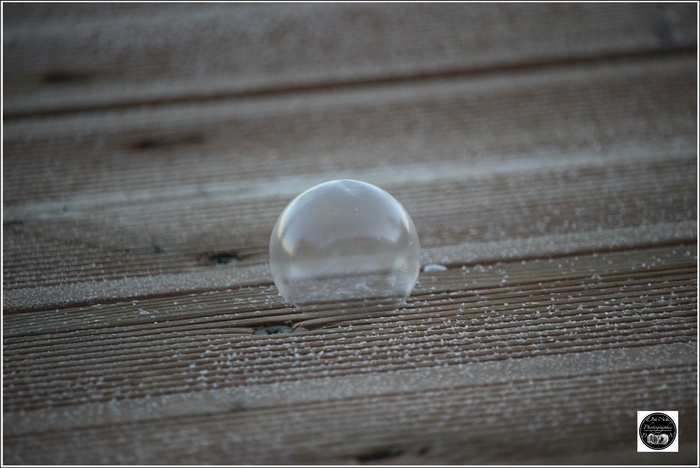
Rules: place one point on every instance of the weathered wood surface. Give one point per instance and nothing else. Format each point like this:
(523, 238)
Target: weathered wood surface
(547, 154)
(72, 57)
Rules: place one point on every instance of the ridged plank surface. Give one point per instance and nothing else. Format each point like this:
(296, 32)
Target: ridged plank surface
(184, 237)
(175, 209)
(70, 58)
(417, 416)
(232, 148)
(566, 310)
(547, 154)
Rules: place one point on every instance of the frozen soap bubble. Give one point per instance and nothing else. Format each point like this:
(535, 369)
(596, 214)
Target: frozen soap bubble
(344, 240)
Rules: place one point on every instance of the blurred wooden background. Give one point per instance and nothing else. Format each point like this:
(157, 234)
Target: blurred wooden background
(547, 154)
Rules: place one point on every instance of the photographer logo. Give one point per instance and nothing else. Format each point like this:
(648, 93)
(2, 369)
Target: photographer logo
(657, 431)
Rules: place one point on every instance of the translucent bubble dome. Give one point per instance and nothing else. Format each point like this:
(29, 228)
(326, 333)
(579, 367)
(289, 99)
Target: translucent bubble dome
(344, 240)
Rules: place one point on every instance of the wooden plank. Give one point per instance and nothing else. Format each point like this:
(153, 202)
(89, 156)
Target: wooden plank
(468, 253)
(656, 199)
(583, 302)
(576, 325)
(290, 393)
(282, 423)
(480, 208)
(71, 221)
(71, 57)
(204, 149)
(548, 154)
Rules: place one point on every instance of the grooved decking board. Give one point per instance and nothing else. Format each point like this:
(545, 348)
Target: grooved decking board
(546, 152)
(190, 342)
(164, 211)
(457, 322)
(442, 423)
(200, 150)
(527, 344)
(153, 239)
(166, 285)
(69, 58)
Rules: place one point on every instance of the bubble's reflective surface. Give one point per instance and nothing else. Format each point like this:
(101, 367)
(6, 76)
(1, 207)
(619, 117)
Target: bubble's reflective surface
(344, 240)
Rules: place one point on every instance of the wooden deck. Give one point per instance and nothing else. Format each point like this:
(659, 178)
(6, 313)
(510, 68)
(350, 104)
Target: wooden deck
(546, 152)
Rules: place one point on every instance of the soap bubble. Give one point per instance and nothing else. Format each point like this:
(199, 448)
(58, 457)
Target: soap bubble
(344, 240)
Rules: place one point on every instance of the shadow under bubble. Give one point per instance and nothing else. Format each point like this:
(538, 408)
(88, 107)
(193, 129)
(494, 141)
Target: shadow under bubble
(330, 314)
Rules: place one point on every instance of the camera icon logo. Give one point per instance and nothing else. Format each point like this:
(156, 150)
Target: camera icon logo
(657, 431)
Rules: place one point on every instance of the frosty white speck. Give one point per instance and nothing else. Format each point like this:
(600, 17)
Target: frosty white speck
(344, 240)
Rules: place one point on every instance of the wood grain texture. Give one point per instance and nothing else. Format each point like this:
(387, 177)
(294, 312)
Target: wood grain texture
(71, 58)
(200, 150)
(546, 152)
(460, 319)
(169, 209)
(365, 423)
